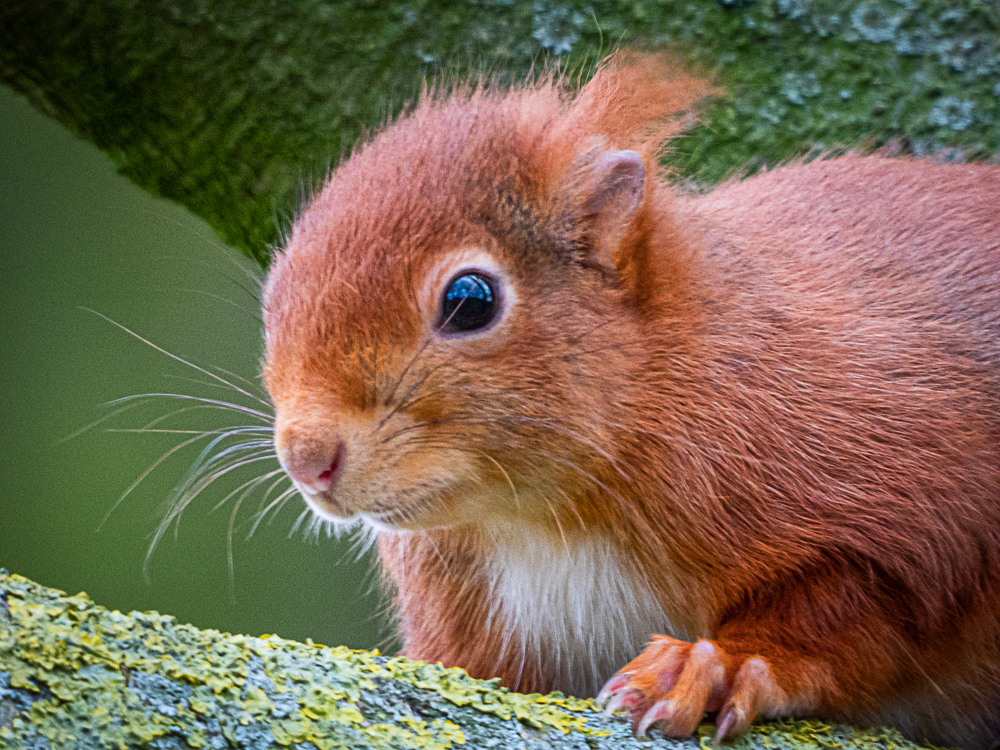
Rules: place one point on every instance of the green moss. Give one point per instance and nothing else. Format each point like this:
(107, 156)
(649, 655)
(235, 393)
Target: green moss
(805, 77)
(238, 111)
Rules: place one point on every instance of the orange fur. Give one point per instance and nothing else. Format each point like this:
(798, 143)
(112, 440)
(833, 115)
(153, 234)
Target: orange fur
(768, 416)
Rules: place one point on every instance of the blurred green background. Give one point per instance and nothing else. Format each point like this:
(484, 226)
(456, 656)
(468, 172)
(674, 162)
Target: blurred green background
(74, 234)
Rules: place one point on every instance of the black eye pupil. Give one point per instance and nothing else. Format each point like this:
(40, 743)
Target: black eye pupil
(469, 303)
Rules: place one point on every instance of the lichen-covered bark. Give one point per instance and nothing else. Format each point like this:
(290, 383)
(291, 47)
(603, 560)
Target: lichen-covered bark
(236, 109)
(75, 676)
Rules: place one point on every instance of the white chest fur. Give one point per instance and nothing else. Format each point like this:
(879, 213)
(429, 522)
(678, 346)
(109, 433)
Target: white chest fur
(574, 609)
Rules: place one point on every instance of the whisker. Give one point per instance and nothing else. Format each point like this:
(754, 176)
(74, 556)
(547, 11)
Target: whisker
(212, 239)
(96, 422)
(403, 403)
(169, 432)
(437, 551)
(256, 279)
(229, 551)
(579, 337)
(173, 356)
(183, 495)
(421, 350)
(276, 503)
(311, 533)
(609, 347)
(249, 485)
(298, 521)
(250, 383)
(282, 477)
(184, 498)
(145, 474)
(224, 450)
(207, 474)
(572, 506)
(203, 462)
(196, 381)
(204, 459)
(510, 482)
(225, 405)
(183, 409)
(493, 419)
(253, 291)
(145, 430)
(253, 313)
(279, 503)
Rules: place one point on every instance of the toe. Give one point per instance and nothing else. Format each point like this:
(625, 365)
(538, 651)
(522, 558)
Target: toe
(611, 687)
(628, 700)
(661, 711)
(731, 722)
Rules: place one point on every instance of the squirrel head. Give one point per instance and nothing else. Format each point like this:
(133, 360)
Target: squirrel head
(451, 327)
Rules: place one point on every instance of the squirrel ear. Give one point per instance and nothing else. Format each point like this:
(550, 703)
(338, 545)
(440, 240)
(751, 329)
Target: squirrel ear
(616, 192)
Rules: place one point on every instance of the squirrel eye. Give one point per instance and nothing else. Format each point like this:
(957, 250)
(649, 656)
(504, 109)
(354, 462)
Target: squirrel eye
(469, 303)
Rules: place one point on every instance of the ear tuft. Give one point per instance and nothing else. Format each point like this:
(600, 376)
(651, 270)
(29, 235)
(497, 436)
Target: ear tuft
(616, 192)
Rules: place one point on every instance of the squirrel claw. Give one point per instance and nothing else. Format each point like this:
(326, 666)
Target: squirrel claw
(724, 723)
(628, 700)
(611, 687)
(661, 710)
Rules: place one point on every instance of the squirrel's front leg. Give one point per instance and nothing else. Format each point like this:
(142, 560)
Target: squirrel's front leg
(823, 644)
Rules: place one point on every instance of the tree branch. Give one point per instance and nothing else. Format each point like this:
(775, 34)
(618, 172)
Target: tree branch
(80, 677)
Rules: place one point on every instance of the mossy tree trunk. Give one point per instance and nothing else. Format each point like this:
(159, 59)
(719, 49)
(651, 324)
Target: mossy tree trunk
(237, 109)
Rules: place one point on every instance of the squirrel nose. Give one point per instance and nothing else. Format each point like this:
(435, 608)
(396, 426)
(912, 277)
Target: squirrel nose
(315, 465)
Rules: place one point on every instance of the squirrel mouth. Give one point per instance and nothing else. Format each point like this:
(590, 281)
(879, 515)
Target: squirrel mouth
(325, 505)
(399, 519)
(381, 516)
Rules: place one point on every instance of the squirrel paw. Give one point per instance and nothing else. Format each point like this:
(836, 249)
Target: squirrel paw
(673, 683)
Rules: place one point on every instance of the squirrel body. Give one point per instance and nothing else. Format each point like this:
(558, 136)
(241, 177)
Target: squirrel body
(760, 426)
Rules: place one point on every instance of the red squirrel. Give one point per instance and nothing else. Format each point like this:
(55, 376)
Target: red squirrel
(737, 453)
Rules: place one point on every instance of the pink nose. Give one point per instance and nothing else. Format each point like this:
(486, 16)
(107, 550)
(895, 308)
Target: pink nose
(315, 465)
